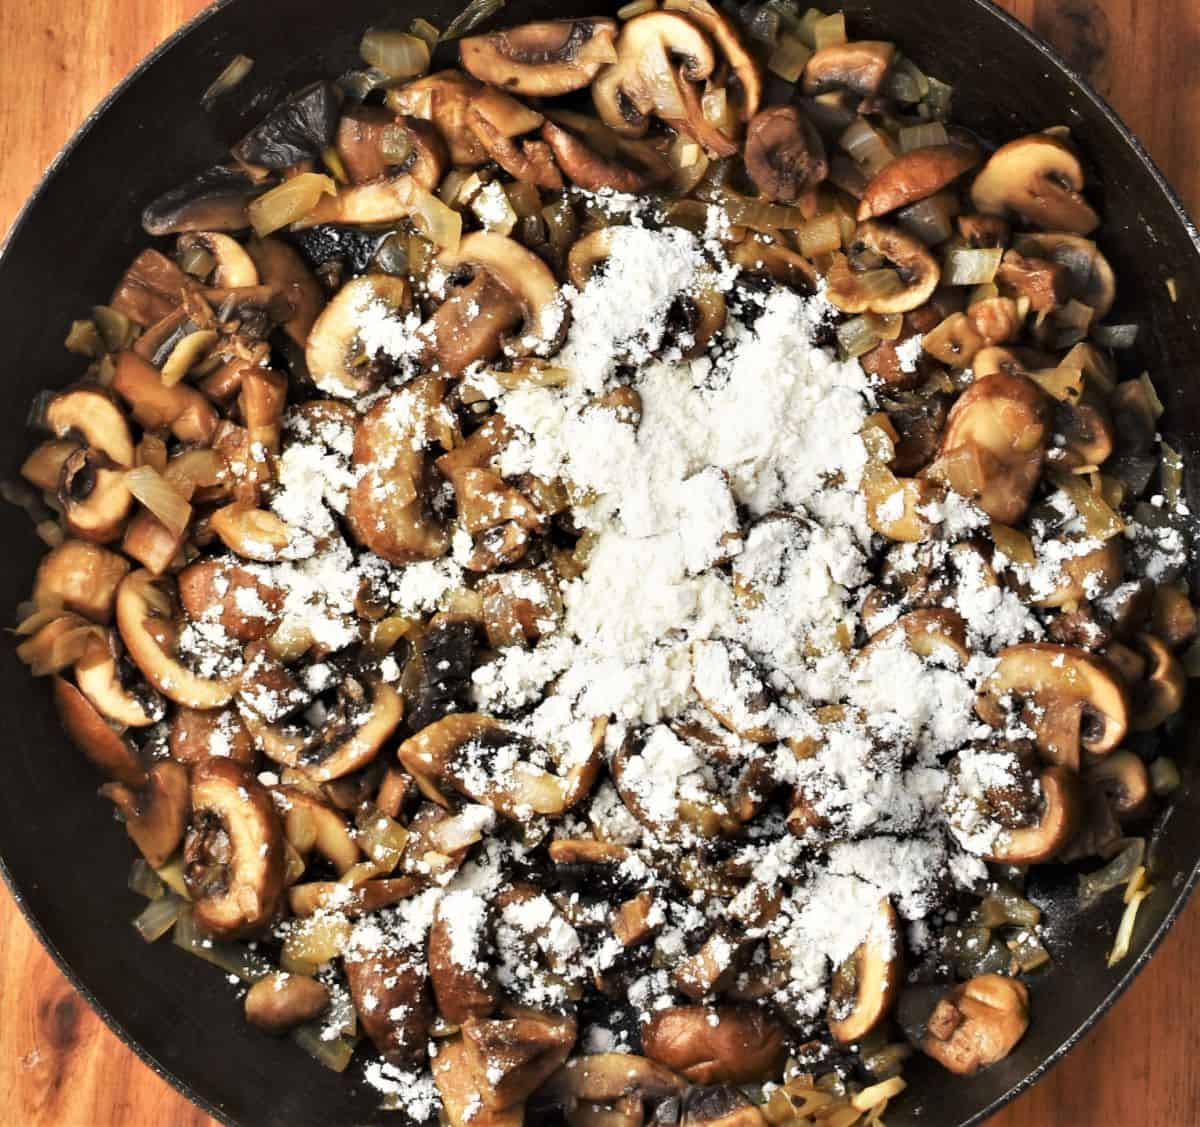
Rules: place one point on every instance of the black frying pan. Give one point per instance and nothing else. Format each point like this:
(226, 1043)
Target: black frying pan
(64, 857)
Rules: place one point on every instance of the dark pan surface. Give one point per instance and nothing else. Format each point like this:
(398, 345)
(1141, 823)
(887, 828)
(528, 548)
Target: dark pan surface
(63, 855)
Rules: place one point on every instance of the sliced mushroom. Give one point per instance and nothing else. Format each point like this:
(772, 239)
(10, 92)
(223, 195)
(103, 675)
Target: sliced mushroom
(731, 686)
(98, 675)
(605, 1078)
(1090, 576)
(917, 269)
(716, 1045)
(389, 507)
(995, 443)
(660, 55)
(977, 1023)
(282, 268)
(884, 360)
(234, 268)
(498, 120)
(915, 176)
(246, 607)
(865, 986)
(1056, 825)
(458, 962)
(858, 66)
(391, 995)
(43, 467)
(444, 99)
(335, 352)
(282, 1001)
(542, 59)
(1173, 619)
(1078, 700)
(297, 129)
(196, 735)
(1040, 179)
(712, 967)
(310, 824)
(933, 633)
(190, 416)
(156, 814)
(1088, 276)
(1124, 780)
(472, 324)
(234, 851)
(1042, 282)
(598, 159)
(360, 142)
(213, 201)
(369, 727)
(1086, 429)
(80, 577)
(150, 289)
(89, 732)
(252, 534)
(147, 622)
(526, 277)
(94, 497)
(1162, 691)
(90, 414)
(717, 1106)
(784, 154)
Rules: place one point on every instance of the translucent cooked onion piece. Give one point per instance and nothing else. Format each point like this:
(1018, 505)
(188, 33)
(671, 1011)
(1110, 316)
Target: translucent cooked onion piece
(471, 17)
(868, 147)
(790, 57)
(923, 136)
(1124, 937)
(820, 235)
(159, 916)
(334, 1054)
(235, 73)
(145, 881)
(160, 497)
(233, 958)
(1119, 871)
(970, 266)
(440, 224)
(290, 202)
(1115, 336)
(856, 336)
(398, 54)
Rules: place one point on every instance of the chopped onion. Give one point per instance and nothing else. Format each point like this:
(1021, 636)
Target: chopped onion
(930, 220)
(789, 58)
(145, 881)
(905, 82)
(171, 874)
(855, 337)
(1014, 544)
(471, 17)
(381, 839)
(1125, 930)
(237, 70)
(116, 329)
(870, 149)
(334, 1054)
(314, 941)
(290, 201)
(759, 216)
(886, 326)
(1156, 404)
(494, 210)
(160, 497)
(923, 136)
(1099, 519)
(830, 31)
(807, 27)
(158, 917)
(233, 958)
(875, 284)
(440, 224)
(1116, 337)
(195, 469)
(936, 103)
(716, 108)
(637, 8)
(970, 266)
(1164, 776)
(820, 235)
(1062, 383)
(397, 53)
(423, 29)
(1028, 951)
(84, 340)
(877, 1094)
(190, 350)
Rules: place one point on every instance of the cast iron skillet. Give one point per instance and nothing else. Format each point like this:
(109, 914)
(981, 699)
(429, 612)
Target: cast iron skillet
(64, 857)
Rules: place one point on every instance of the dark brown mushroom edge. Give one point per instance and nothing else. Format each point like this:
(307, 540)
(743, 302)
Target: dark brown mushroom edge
(594, 558)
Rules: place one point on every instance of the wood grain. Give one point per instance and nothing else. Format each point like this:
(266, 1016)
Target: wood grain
(61, 1067)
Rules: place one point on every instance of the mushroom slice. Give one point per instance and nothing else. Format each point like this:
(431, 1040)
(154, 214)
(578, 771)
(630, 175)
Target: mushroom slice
(190, 416)
(391, 994)
(747, 74)
(458, 958)
(712, 968)
(234, 268)
(995, 443)
(1077, 699)
(297, 129)
(933, 633)
(542, 59)
(1092, 575)
(719, 1106)
(246, 607)
(233, 854)
(517, 1054)
(865, 986)
(80, 577)
(353, 751)
(977, 1023)
(784, 154)
(1162, 690)
(1040, 179)
(94, 497)
(215, 200)
(335, 353)
(716, 1045)
(1089, 276)
(472, 324)
(91, 733)
(443, 99)
(146, 620)
(253, 534)
(915, 176)
(91, 414)
(284, 270)
(151, 289)
(388, 511)
(197, 735)
(1058, 821)
(155, 815)
(309, 824)
(526, 277)
(605, 1078)
(98, 676)
(598, 159)
(43, 467)
(918, 272)
(660, 55)
(859, 67)
(732, 687)
(282, 1001)
(1125, 782)
(462, 1091)
(497, 120)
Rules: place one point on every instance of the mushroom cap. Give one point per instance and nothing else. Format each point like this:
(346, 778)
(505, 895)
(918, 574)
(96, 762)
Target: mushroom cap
(541, 59)
(296, 129)
(915, 176)
(281, 1001)
(462, 990)
(747, 73)
(155, 816)
(918, 269)
(978, 1023)
(1040, 179)
(391, 994)
(859, 66)
(92, 414)
(784, 154)
(743, 1045)
(215, 200)
(1089, 276)
(1125, 781)
(95, 499)
(197, 734)
(597, 158)
(871, 977)
(354, 751)
(1096, 572)
(1061, 810)
(98, 678)
(1163, 689)
(246, 606)
(89, 732)
(334, 346)
(81, 577)
(444, 100)
(603, 1078)
(281, 267)
(235, 268)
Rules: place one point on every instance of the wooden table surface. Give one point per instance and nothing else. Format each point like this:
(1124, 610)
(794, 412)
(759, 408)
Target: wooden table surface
(61, 1067)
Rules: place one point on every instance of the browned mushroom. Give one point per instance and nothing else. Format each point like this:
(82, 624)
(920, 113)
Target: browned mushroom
(90, 414)
(94, 497)
(233, 853)
(542, 59)
(745, 83)
(43, 467)
(1057, 822)
(1161, 692)
(335, 351)
(1173, 618)
(181, 407)
(443, 99)
(1042, 282)
(914, 276)
(1086, 428)
(246, 607)
(458, 967)
(915, 176)
(784, 154)
(857, 66)
(1077, 700)
(81, 577)
(391, 995)
(234, 268)
(89, 732)
(197, 734)
(310, 824)
(498, 120)
(155, 815)
(1091, 575)
(150, 289)
(598, 158)
(281, 1001)
(282, 268)
(296, 129)
(884, 360)
(716, 1045)
(1087, 276)
(977, 1023)
(1124, 780)
(864, 987)
(215, 200)
(606, 1078)
(98, 673)
(1040, 179)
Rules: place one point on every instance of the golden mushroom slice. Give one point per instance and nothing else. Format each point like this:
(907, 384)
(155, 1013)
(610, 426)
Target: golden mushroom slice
(859, 66)
(234, 851)
(542, 59)
(351, 745)
(605, 1078)
(977, 1023)
(1040, 179)
(233, 269)
(994, 444)
(785, 156)
(527, 278)
(746, 79)
(282, 1001)
(1089, 576)
(188, 414)
(336, 354)
(472, 324)
(934, 633)
(915, 176)
(148, 623)
(716, 1044)
(80, 577)
(1162, 690)
(598, 158)
(391, 994)
(98, 673)
(310, 824)
(196, 735)
(1059, 818)
(458, 958)
(95, 499)
(156, 814)
(1125, 781)
(90, 413)
(1071, 699)
(732, 687)
(88, 731)
(865, 986)
(906, 283)
(444, 99)
(246, 606)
